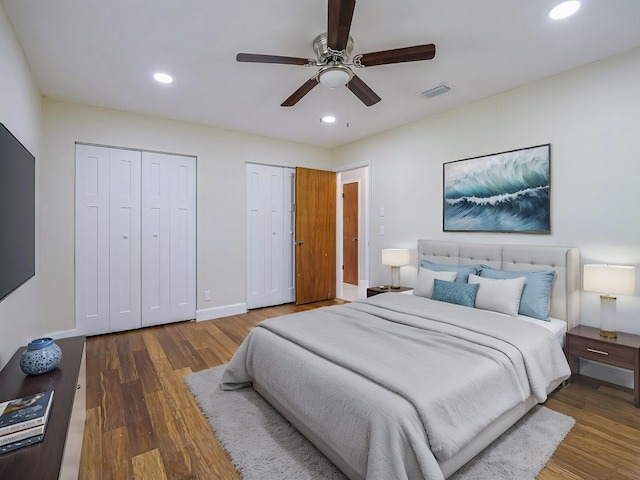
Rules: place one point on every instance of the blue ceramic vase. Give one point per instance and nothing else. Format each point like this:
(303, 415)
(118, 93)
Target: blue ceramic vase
(41, 356)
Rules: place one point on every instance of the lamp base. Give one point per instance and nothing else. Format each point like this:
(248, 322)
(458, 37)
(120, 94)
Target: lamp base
(608, 334)
(608, 316)
(395, 277)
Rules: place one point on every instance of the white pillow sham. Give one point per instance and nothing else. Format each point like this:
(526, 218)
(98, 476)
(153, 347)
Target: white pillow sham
(499, 295)
(424, 286)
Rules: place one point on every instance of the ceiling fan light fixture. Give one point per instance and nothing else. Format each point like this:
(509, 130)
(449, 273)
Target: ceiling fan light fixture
(334, 76)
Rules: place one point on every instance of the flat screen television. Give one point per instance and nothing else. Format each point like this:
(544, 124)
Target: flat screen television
(17, 213)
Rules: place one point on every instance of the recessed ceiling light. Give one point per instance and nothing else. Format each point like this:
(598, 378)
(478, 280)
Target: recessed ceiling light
(163, 78)
(328, 119)
(564, 10)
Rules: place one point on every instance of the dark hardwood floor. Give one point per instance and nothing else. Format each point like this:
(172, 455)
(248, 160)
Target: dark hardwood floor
(142, 422)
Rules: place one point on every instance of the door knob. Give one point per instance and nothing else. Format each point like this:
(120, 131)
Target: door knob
(355, 239)
(301, 243)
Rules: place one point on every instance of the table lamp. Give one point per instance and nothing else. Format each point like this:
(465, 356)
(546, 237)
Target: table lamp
(609, 280)
(395, 257)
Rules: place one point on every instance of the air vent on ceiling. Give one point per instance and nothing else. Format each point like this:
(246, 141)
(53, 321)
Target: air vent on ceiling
(435, 91)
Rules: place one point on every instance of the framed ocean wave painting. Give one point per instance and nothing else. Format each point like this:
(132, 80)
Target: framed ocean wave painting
(503, 192)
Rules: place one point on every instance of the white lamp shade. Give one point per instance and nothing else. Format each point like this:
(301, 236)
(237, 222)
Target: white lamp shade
(610, 279)
(334, 77)
(396, 257)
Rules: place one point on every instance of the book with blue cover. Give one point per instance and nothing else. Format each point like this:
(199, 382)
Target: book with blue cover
(25, 412)
(21, 443)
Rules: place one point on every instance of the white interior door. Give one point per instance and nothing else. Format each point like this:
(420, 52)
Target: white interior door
(135, 239)
(92, 239)
(124, 240)
(270, 278)
(168, 238)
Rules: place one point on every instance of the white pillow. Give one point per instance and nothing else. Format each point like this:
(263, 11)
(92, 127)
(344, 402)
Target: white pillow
(499, 295)
(424, 287)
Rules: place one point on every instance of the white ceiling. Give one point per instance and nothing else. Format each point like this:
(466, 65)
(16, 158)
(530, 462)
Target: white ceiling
(104, 53)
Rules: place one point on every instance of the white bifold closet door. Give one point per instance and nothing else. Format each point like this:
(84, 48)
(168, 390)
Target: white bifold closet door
(168, 238)
(270, 235)
(135, 239)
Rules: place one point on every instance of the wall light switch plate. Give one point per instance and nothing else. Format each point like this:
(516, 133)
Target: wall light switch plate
(207, 295)
(381, 231)
(382, 211)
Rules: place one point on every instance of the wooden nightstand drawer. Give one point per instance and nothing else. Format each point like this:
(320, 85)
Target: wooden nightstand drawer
(623, 351)
(608, 353)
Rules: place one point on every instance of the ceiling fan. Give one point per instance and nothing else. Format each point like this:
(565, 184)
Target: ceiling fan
(333, 51)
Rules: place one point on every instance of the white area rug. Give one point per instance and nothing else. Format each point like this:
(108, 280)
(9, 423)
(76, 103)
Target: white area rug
(263, 445)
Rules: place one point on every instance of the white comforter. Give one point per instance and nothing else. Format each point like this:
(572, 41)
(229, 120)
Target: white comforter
(396, 383)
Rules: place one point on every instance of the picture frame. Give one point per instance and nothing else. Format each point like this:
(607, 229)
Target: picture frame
(502, 192)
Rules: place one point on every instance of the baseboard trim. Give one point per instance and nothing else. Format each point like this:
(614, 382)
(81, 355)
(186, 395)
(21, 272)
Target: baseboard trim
(74, 332)
(219, 312)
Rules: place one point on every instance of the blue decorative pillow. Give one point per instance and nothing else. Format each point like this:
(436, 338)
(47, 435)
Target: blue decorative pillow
(463, 271)
(534, 301)
(455, 292)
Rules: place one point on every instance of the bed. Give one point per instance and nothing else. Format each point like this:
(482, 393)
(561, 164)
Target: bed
(406, 386)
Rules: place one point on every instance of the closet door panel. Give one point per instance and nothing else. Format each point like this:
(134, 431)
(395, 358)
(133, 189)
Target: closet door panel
(92, 240)
(168, 238)
(183, 238)
(156, 231)
(124, 240)
(256, 296)
(265, 235)
(270, 277)
(273, 235)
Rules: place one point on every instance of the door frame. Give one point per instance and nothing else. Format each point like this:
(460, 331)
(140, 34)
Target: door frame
(364, 228)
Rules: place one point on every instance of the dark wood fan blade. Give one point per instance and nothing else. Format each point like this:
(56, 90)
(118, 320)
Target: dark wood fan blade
(362, 91)
(256, 58)
(399, 55)
(339, 23)
(301, 92)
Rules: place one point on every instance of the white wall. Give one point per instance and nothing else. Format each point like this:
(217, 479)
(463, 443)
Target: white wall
(221, 196)
(20, 314)
(591, 118)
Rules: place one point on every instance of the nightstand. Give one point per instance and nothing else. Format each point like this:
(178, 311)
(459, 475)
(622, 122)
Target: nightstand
(371, 291)
(624, 352)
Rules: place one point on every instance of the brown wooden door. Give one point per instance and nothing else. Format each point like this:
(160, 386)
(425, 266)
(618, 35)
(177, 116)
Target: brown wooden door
(350, 233)
(315, 235)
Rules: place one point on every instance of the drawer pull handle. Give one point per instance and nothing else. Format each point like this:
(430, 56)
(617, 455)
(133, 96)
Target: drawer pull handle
(593, 350)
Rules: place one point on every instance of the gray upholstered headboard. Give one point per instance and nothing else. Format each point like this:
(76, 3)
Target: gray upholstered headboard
(565, 293)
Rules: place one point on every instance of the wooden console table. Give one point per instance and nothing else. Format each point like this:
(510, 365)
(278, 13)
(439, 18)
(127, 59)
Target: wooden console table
(58, 455)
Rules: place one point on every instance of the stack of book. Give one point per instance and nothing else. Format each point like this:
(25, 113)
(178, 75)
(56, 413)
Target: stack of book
(23, 421)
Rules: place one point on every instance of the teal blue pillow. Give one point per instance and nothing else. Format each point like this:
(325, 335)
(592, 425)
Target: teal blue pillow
(455, 292)
(463, 271)
(534, 301)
